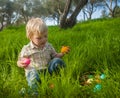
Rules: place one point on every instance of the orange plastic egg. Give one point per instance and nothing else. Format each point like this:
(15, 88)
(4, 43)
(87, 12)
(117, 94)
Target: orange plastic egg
(65, 49)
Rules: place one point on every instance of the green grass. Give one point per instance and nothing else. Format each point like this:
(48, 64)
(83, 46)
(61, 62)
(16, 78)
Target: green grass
(95, 47)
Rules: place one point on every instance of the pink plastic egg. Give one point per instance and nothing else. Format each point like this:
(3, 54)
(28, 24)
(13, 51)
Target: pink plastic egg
(26, 61)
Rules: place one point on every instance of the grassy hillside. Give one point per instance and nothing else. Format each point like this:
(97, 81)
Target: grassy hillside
(95, 50)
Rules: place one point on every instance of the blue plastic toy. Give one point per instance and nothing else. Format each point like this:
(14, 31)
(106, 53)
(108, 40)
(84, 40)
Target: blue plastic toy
(102, 76)
(97, 87)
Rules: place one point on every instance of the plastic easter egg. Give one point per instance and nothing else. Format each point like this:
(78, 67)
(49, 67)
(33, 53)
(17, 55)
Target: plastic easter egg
(102, 76)
(89, 81)
(26, 61)
(98, 80)
(65, 49)
(51, 86)
(97, 87)
(90, 76)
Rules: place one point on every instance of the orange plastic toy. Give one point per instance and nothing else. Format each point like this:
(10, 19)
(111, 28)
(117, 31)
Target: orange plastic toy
(65, 49)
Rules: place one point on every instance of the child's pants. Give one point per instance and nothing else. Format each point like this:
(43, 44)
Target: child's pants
(33, 75)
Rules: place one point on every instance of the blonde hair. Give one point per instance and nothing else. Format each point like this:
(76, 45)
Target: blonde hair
(35, 25)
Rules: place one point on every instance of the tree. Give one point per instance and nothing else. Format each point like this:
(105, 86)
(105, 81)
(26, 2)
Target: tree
(2, 17)
(117, 12)
(111, 5)
(104, 13)
(66, 21)
(6, 12)
(26, 9)
(54, 9)
(90, 8)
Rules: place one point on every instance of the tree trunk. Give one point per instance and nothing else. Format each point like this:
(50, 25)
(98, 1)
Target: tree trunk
(2, 20)
(63, 16)
(71, 21)
(1, 28)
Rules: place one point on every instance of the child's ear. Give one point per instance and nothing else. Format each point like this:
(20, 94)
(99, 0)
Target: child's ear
(30, 38)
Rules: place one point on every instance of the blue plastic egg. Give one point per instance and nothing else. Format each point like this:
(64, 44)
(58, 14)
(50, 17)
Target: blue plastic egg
(102, 76)
(97, 87)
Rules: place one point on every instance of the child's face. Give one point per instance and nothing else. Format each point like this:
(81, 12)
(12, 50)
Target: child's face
(39, 40)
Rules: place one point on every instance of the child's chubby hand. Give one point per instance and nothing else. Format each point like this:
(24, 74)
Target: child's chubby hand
(65, 49)
(24, 62)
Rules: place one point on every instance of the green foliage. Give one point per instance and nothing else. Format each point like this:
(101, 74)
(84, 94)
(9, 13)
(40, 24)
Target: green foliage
(95, 47)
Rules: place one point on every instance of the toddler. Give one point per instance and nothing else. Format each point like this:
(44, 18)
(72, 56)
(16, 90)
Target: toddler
(39, 53)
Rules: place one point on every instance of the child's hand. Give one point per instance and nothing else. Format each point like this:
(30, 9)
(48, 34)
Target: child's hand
(24, 62)
(65, 49)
